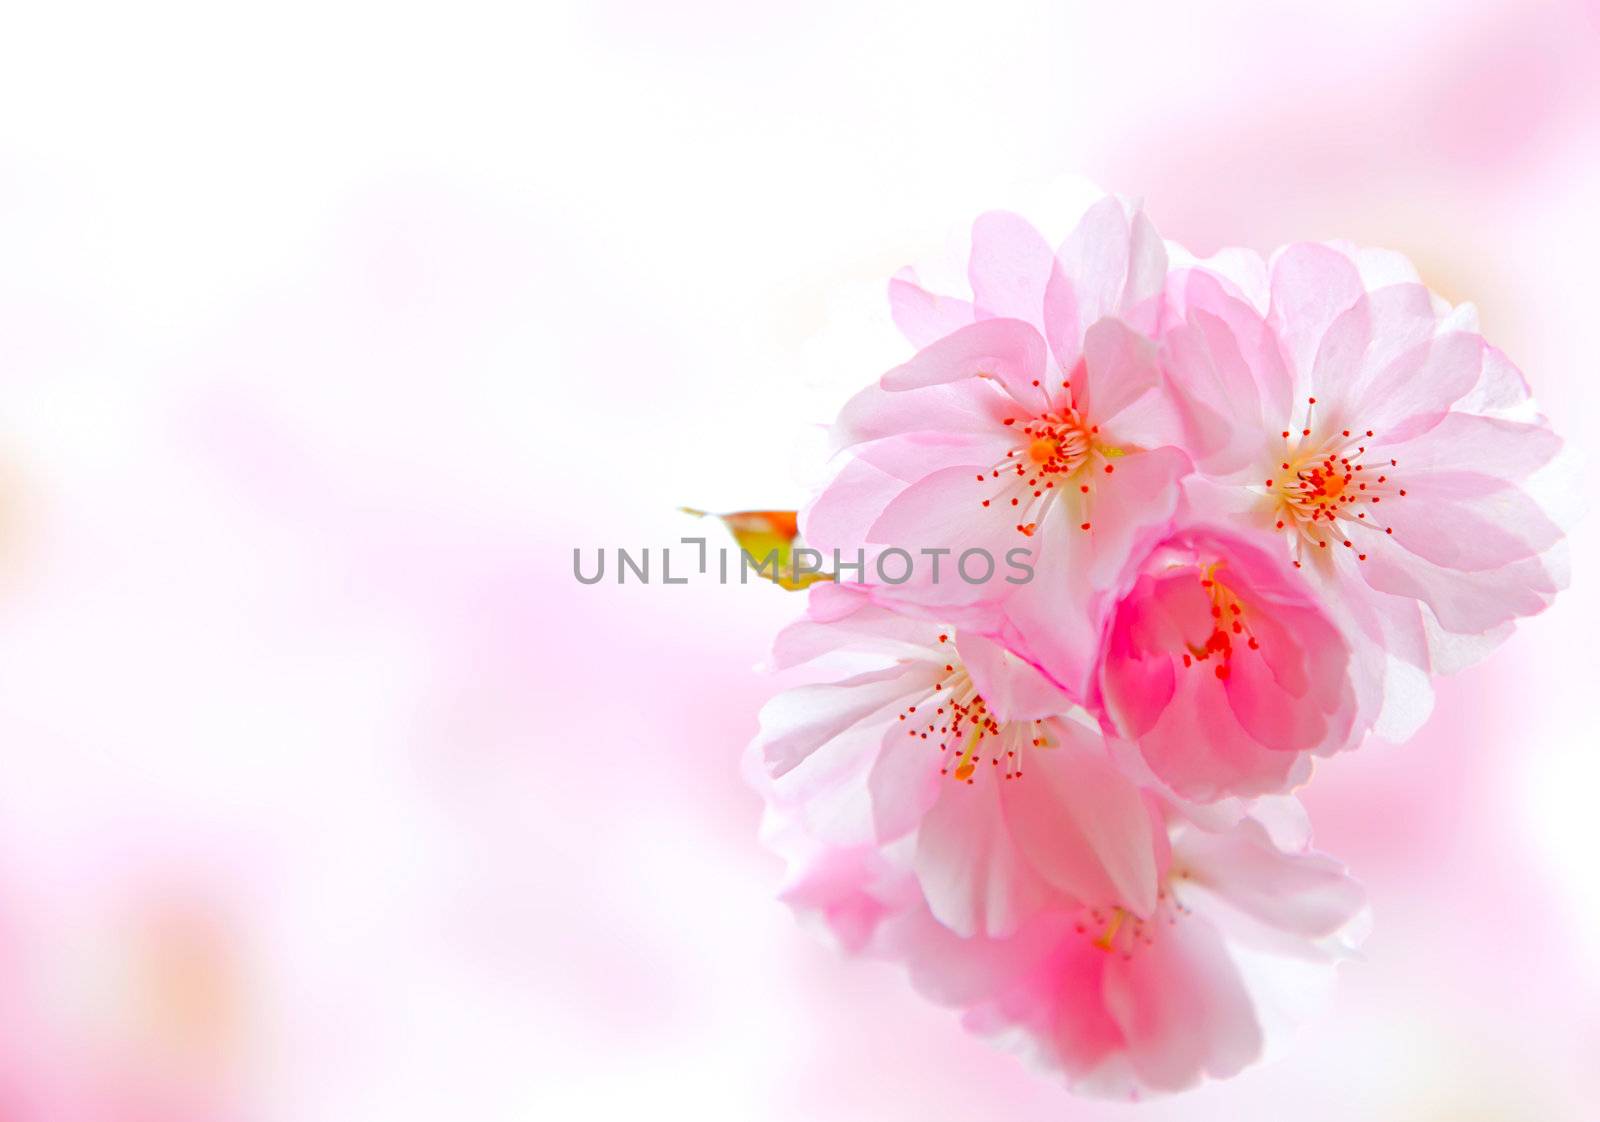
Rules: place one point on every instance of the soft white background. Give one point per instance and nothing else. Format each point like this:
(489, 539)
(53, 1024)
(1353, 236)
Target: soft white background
(327, 331)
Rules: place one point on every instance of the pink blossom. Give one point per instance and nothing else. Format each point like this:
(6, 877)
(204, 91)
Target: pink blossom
(1221, 662)
(1011, 795)
(1034, 417)
(1368, 425)
(1260, 509)
(1121, 1002)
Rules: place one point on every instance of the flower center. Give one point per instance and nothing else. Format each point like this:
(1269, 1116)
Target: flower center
(1117, 931)
(1043, 449)
(1051, 458)
(1329, 486)
(1228, 626)
(953, 715)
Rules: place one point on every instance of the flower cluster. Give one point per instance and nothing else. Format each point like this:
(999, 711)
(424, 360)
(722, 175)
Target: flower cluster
(1264, 500)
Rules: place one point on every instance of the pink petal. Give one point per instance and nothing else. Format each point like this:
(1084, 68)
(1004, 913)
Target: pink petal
(1147, 273)
(1287, 694)
(975, 880)
(1231, 378)
(827, 795)
(945, 511)
(1200, 750)
(970, 406)
(1008, 350)
(1208, 375)
(1094, 260)
(1084, 1039)
(1466, 603)
(1009, 267)
(1063, 327)
(1058, 617)
(1120, 367)
(1302, 894)
(1055, 621)
(1243, 274)
(1182, 1008)
(833, 887)
(797, 722)
(921, 315)
(1012, 689)
(1137, 688)
(1500, 387)
(1130, 508)
(1508, 450)
(1390, 649)
(1490, 525)
(1082, 824)
(1311, 286)
(842, 514)
(904, 782)
(847, 620)
(1381, 366)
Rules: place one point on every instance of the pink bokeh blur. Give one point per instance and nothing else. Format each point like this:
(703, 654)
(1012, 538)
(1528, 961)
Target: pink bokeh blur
(328, 331)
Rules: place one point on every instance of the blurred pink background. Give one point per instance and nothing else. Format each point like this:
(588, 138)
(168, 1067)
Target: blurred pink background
(328, 331)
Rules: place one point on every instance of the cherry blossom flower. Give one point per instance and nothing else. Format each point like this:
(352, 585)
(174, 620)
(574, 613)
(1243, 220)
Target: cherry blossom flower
(1118, 1001)
(1367, 424)
(1222, 663)
(1012, 794)
(1035, 416)
(1261, 503)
